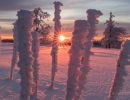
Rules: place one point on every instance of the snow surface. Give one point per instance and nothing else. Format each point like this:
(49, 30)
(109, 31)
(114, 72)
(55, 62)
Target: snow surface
(99, 79)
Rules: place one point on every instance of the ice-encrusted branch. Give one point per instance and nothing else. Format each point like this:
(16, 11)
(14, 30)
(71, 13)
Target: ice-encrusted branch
(57, 31)
(92, 21)
(120, 71)
(15, 50)
(76, 53)
(24, 26)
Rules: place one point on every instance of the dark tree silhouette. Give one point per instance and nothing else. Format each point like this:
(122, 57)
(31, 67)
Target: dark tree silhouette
(112, 34)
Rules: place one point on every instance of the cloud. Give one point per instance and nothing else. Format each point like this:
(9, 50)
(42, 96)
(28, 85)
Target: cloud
(120, 7)
(48, 4)
(8, 5)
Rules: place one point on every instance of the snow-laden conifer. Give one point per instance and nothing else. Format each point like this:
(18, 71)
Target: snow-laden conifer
(76, 55)
(24, 28)
(57, 31)
(35, 50)
(92, 21)
(120, 71)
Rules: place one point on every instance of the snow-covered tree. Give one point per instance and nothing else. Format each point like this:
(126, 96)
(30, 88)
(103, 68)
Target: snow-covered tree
(118, 33)
(120, 71)
(57, 31)
(24, 28)
(112, 34)
(93, 14)
(35, 50)
(40, 24)
(39, 27)
(15, 50)
(108, 31)
(76, 53)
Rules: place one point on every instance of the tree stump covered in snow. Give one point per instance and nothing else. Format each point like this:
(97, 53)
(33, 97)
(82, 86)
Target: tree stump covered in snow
(57, 31)
(76, 54)
(24, 26)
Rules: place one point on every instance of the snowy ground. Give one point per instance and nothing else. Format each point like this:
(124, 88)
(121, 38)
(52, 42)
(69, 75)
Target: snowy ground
(99, 79)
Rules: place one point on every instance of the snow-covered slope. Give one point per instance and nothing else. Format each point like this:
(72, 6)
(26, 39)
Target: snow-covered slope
(99, 79)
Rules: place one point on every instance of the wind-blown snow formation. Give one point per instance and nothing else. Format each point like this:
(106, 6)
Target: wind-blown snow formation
(57, 31)
(24, 26)
(120, 71)
(76, 54)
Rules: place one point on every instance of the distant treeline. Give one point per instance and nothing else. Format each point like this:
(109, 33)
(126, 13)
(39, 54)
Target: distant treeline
(67, 43)
(7, 40)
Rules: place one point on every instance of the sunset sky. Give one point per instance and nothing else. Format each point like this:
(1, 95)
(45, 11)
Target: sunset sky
(72, 10)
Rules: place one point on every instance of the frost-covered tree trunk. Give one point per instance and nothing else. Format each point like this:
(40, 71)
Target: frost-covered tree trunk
(35, 49)
(57, 31)
(15, 51)
(76, 54)
(120, 71)
(24, 26)
(92, 21)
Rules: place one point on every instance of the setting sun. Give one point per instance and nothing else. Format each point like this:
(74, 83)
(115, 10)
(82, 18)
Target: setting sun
(61, 38)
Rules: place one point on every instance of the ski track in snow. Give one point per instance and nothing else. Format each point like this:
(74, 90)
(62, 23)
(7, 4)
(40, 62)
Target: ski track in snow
(99, 79)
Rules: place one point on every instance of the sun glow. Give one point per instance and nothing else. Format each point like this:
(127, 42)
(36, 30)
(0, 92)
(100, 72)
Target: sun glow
(61, 38)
